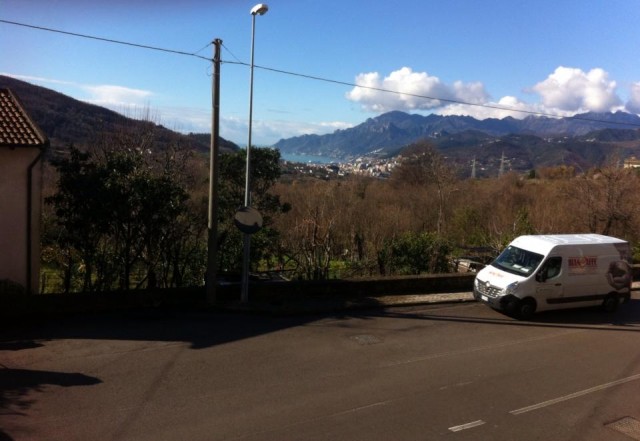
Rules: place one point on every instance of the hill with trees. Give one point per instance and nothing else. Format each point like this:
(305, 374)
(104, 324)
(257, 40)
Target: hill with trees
(67, 121)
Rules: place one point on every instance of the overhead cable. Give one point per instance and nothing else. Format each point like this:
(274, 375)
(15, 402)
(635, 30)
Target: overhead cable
(316, 78)
(446, 100)
(109, 40)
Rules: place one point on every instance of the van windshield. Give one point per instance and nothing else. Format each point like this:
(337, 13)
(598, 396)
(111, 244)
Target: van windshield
(518, 261)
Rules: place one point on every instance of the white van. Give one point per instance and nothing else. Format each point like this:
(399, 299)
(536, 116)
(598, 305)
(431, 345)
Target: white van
(537, 273)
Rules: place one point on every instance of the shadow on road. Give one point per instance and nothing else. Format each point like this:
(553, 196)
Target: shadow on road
(18, 345)
(197, 329)
(626, 318)
(206, 329)
(17, 384)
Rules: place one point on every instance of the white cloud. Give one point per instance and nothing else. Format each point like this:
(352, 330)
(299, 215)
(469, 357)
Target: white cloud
(103, 95)
(381, 94)
(473, 93)
(574, 90)
(36, 80)
(565, 92)
(268, 132)
(498, 109)
(111, 95)
(508, 106)
(633, 105)
(185, 119)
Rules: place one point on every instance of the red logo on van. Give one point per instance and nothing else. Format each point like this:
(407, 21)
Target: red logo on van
(583, 264)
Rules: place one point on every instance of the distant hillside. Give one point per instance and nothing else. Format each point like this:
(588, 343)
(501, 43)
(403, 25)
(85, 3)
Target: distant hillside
(522, 152)
(68, 121)
(391, 131)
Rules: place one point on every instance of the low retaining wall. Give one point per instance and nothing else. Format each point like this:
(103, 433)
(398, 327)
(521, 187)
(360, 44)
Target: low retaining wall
(338, 292)
(427, 284)
(16, 306)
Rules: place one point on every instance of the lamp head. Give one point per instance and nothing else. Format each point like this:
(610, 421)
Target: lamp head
(259, 9)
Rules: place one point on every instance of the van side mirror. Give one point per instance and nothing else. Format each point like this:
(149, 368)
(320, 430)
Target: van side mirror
(541, 276)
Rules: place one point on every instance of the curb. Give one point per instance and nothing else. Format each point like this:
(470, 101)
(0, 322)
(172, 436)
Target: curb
(318, 306)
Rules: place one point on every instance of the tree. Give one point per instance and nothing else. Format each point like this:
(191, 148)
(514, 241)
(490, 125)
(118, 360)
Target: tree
(118, 213)
(424, 166)
(308, 229)
(81, 215)
(265, 171)
(606, 199)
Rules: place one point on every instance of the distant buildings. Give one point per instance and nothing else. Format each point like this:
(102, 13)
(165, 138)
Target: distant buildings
(377, 168)
(382, 168)
(632, 162)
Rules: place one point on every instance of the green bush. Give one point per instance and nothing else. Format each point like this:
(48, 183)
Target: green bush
(414, 253)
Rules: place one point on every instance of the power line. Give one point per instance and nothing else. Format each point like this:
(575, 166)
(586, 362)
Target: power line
(317, 78)
(109, 40)
(465, 103)
(446, 100)
(233, 55)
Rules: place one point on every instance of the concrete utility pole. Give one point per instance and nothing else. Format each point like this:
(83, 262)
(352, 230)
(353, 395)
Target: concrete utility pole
(214, 166)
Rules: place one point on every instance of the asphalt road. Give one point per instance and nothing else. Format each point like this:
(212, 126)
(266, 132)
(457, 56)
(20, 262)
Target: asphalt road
(430, 372)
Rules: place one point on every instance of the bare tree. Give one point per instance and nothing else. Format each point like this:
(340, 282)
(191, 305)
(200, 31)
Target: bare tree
(606, 201)
(424, 166)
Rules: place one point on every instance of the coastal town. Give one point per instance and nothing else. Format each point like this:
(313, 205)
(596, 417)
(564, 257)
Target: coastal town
(380, 168)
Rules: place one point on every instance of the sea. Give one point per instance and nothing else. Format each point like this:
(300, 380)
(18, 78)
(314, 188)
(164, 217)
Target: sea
(309, 159)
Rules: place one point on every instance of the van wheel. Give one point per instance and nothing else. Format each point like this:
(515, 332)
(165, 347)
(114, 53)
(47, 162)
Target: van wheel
(610, 303)
(512, 308)
(526, 309)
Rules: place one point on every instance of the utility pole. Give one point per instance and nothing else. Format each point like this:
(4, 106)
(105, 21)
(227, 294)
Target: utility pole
(214, 166)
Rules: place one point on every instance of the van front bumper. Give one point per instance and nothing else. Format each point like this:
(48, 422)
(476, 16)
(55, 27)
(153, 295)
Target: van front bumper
(502, 303)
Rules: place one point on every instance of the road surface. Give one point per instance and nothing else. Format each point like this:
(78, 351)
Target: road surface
(430, 372)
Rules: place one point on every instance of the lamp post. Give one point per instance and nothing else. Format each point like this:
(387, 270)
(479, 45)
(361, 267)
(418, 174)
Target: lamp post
(259, 9)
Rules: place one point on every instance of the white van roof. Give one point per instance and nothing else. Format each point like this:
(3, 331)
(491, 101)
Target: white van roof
(544, 243)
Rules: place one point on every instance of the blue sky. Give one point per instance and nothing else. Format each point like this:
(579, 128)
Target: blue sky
(559, 57)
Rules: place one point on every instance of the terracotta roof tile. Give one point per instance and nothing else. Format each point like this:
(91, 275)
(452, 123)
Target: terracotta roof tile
(16, 128)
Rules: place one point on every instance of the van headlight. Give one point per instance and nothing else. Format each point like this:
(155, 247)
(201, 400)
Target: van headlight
(511, 289)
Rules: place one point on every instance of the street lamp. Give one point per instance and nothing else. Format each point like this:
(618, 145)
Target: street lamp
(259, 9)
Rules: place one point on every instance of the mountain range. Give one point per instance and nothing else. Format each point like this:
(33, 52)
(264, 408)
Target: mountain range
(582, 140)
